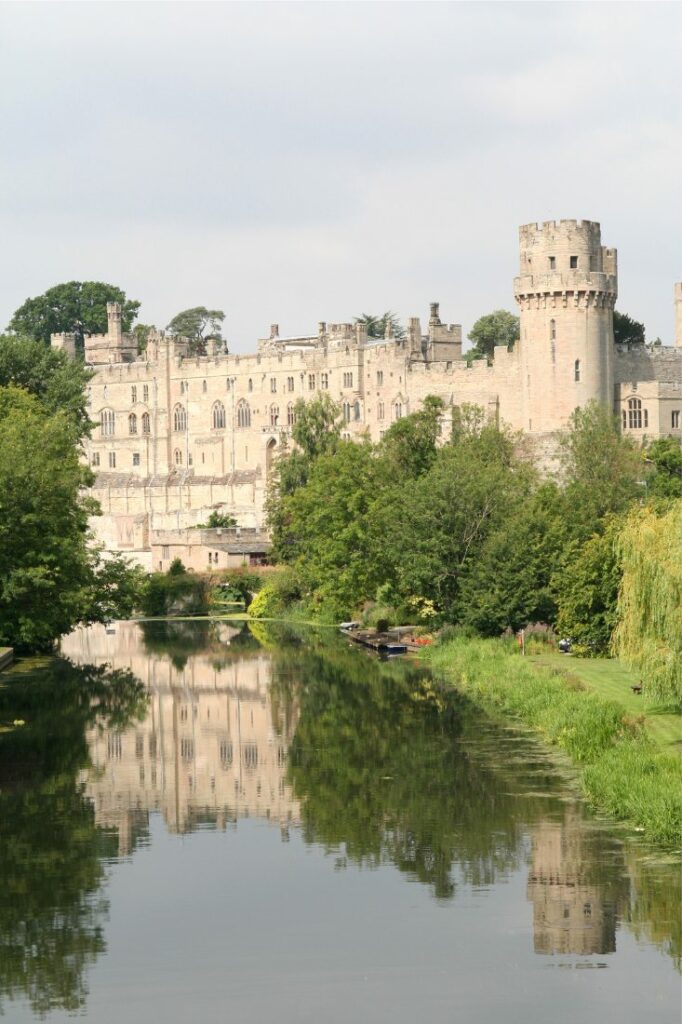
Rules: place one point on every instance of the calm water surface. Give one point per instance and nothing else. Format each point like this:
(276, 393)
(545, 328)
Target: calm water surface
(205, 822)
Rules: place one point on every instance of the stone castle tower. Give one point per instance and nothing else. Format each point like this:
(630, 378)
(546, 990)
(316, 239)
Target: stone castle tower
(566, 291)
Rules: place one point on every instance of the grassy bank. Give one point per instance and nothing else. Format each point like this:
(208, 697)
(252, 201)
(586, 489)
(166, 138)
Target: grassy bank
(624, 772)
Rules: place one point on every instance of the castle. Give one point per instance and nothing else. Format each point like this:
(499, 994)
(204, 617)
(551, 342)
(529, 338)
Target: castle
(179, 436)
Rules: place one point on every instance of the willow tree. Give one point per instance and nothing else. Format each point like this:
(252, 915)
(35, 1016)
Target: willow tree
(649, 630)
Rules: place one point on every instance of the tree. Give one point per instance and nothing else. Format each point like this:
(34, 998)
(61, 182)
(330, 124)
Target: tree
(587, 591)
(649, 630)
(497, 328)
(50, 576)
(603, 469)
(77, 307)
(410, 442)
(665, 455)
(59, 383)
(199, 325)
(376, 325)
(627, 331)
(141, 334)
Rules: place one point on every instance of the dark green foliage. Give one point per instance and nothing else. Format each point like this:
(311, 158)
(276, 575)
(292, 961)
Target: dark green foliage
(410, 443)
(176, 592)
(587, 592)
(497, 328)
(59, 383)
(50, 576)
(665, 457)
(77, 307)
(376, 325)
(218, 520)
(198, 325)
(626, 330)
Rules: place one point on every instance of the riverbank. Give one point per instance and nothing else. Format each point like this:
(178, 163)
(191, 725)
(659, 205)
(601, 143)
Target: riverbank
(624, 770)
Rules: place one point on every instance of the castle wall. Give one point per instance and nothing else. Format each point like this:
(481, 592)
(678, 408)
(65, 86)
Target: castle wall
(179, 436)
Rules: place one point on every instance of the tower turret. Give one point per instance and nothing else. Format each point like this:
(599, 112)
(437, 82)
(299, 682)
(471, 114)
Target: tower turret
(566, 291)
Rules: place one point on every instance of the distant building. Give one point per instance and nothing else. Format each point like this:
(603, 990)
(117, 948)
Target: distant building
(179, 436)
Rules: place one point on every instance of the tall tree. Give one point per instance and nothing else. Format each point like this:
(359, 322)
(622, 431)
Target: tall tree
(199, 325)
(50, 577)
(665, 456)
(497, 328)
(59, 383)
(376, 326)
(76, 307)
(626, 330)
(411, 442)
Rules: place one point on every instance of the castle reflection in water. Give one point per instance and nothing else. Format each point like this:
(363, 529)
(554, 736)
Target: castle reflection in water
(208, 750)
(211, 750)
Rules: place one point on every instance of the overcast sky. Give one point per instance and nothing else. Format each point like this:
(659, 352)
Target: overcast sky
(292, 163)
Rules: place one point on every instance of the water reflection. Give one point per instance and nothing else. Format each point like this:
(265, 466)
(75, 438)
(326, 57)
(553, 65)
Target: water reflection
(210, 723)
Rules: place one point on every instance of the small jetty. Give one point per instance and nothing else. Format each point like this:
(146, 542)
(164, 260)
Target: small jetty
(397, 640)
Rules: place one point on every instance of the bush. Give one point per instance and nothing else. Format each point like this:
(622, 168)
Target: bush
(176, 592)
(281, 591)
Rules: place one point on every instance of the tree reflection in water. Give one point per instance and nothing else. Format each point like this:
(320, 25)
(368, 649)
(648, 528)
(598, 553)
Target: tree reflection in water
(52, 854)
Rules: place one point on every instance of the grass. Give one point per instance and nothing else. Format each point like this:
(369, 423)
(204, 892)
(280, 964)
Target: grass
(624, 771)
(611, 679)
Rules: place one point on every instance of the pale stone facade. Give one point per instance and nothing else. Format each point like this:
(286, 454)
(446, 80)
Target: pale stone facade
(209, 748)
(182, 435)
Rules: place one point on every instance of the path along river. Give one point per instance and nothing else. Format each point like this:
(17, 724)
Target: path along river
(214, 822)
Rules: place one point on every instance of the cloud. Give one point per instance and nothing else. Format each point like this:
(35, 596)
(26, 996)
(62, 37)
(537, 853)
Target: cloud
(296, 162)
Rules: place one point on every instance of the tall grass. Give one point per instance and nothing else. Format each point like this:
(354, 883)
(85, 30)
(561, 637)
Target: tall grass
(622, 772)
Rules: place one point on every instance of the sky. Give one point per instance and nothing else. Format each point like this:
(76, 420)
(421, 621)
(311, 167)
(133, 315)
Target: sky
(296, 162)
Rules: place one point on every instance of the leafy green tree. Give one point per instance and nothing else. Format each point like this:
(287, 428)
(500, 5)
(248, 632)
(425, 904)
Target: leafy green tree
(410, 443)
(58, 382)
(376, 326)
(497, 328)
(602, 469)
(626, 330)
(50, 577)
(586, 587)
(649, 630)
(141, 334)
(77, 307)
(665, 454)
(199, 325)
(508, 583)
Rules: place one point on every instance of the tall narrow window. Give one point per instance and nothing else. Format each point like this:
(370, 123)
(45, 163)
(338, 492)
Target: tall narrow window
(346, 412)
(398, 410)
(274, 415)
(635, 413)
(112, 460)
(574, 262)
(625, 419)
(177, 457)
(356, 411)
(552, 262)
(95, 457)
(576, 370)
(133, 395)
(132, 423)
(324, 381)
(675, 419)
(145, 422)
(179, 418)
(145, 392)
(243, 414)
(311, 382)
(107, 422)
(273, 385)
(250, 385)
(204, 387)
(552, 330)
(291, 414)
(218, 416)
(380, 378)
(645, 413)
(290, 383)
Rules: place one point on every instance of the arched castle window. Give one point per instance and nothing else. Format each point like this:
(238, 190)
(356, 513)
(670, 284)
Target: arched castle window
(177, 457)
(635, 413)
(107, 422)
(552, 330)
(145, 422)
(250, 385)
(291, 414)
(132, 423)
(576, 370)
(243, 414)
(398, 409)
(227, 383)
(179, 418)
(274, 415)
(218, 415)
(346, 412)
(204, 387)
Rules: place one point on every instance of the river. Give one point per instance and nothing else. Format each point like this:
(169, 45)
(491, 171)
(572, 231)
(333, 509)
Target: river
(209, 821)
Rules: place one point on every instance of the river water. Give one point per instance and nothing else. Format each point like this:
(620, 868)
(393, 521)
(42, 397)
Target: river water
(213, 822)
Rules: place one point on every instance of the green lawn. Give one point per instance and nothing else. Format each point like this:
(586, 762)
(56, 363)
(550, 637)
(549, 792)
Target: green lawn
(610, 678)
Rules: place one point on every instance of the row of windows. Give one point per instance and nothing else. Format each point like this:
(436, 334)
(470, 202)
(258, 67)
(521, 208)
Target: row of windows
(636, 418)
(290, 384)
